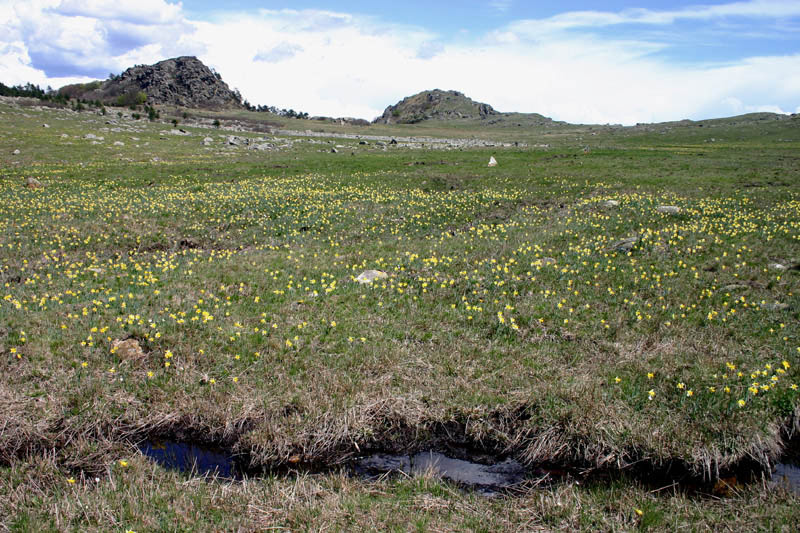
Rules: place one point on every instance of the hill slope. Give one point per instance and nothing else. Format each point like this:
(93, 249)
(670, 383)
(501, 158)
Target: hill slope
(435, 104)
(184, 81)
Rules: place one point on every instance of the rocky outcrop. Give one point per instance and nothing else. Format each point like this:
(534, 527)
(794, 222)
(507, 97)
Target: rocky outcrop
(182, 81)
(435, 105)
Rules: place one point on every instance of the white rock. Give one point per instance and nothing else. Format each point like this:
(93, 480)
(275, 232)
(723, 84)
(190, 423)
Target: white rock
(368, 276)
(668, 209)
(611, 203)
(492, 162)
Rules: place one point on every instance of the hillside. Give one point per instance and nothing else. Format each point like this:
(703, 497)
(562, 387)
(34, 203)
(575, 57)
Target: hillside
(435, 104)
(438, 105)
(182, 81)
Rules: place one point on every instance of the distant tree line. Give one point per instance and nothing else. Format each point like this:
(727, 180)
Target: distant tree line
(290, 113)
(30, 90)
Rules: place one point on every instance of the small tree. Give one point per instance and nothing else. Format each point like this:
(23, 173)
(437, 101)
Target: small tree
(174, 122)
(216, 123)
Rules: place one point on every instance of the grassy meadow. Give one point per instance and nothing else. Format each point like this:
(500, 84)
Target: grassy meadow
(544, 309)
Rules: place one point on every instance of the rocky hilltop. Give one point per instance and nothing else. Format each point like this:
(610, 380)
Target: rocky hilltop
(435, 104)
(182, 81)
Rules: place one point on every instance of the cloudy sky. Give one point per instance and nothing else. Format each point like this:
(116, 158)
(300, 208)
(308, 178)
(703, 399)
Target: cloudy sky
(625, 62)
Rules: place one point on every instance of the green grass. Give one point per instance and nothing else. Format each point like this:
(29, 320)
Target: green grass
(508, 323)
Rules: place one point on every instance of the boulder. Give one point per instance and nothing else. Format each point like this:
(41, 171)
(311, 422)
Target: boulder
(368, 276)
(33, 183)
(128, 349)
(668, 209)
(625, 245)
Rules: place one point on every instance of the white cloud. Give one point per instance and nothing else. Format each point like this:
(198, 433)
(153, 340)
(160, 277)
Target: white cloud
(140, 12)
(340, 64)
(278, 53)
(501, 5)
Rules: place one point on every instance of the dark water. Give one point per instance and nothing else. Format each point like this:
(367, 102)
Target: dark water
(191, 458)
(788, 476)
(487, 478)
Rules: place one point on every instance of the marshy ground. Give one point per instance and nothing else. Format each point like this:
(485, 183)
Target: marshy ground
(549, 310)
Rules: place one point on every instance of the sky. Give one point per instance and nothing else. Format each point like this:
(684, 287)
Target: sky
(617, 61)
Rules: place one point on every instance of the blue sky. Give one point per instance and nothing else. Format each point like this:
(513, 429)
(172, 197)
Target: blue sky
(610, 62)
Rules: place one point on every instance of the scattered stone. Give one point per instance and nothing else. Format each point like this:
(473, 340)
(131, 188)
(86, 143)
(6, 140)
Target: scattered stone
(363, 143)
(393, 141)
(492, 162)
(734, 287)
(119, 143)
(668, 209)
(625, 245)
(777, 266)
(64, 136)
(45, 125)
(208, 141)
(368, 276)
(96, 270)
(16, 152)
(33, 183)
(127, 349)
(775, 306)
(611, 203)
(334, 151)
(92, 136)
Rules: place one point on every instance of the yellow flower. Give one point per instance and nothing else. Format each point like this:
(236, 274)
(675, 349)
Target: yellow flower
(650, 375)
(84, 364)
(681, 386)
(741, 403)
(617, 380)
(639, 512)
(71, 481)
(123, 463)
